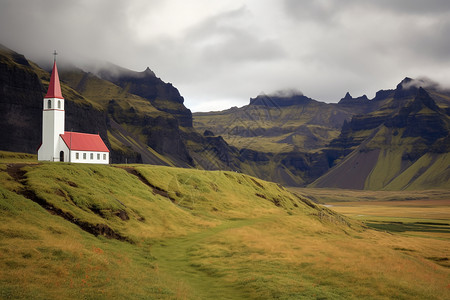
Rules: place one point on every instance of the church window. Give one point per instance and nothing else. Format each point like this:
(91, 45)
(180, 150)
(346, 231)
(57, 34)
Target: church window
(77, 155)
(59, 104)
(49, 104)
(104, 156)
(92, 155)
(84, 155)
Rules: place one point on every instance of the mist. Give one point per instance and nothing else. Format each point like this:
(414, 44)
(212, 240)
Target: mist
(220, 54)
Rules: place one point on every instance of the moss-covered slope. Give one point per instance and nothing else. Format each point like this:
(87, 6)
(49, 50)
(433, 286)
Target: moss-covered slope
(100, 232)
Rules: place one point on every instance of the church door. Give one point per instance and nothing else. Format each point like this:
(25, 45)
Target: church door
(61, 156)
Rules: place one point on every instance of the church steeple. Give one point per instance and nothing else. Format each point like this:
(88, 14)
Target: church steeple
(54, 88)
(53, 118)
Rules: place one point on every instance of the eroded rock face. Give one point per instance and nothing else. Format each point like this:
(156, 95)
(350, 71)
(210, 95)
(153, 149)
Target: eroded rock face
(417, 117)
(21, 94)
(164, 96)
(422, 118)
(87, 119)
(162, 133)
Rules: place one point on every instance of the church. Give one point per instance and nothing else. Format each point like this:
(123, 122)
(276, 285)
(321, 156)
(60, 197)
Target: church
(66, 146)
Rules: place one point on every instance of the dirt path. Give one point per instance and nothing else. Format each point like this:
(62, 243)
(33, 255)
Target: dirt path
(173, 258)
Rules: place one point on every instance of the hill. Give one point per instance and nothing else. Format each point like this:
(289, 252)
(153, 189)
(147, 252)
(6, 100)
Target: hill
(139, 231)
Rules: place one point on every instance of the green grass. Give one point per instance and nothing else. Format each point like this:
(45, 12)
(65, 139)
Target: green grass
(14, 157)
(396, 226)
(194, 234)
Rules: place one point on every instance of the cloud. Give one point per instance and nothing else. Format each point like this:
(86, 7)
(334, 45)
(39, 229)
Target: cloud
(219, 53)
(423, 82)
(286, 93)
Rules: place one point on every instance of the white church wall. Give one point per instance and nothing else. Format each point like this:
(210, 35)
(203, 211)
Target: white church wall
(89, 157)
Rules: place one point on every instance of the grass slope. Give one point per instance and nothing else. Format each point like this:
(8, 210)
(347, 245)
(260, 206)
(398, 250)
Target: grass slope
(101, 232)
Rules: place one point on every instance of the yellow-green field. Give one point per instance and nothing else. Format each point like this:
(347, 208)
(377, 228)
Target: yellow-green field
(71, 231)
(424, 214)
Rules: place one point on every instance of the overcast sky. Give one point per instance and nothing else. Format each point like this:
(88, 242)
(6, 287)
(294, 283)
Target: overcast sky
(221, 53)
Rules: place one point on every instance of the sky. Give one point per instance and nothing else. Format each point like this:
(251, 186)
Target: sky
(219, 54)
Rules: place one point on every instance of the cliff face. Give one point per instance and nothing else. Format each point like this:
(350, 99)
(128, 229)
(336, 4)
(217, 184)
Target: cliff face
(164, 96)
(412, 112)
(160, 131)
(21, 95)
(394, 147)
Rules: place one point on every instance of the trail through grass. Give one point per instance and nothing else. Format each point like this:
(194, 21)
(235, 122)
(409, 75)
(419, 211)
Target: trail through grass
(174, 257)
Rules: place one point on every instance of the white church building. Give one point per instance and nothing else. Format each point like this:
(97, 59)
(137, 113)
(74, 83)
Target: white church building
(60, 145)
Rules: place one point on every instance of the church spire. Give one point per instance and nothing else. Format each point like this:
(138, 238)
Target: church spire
(54, 88)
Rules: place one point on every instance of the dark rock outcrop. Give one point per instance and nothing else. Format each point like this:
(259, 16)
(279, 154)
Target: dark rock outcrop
(421, 118)
(162, 133)
(21, 94)
(348, 99)
(417, 117)
(280, 101)
(164, 96)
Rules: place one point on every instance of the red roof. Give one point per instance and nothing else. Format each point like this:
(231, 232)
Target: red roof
(54, 88)
(84, 141)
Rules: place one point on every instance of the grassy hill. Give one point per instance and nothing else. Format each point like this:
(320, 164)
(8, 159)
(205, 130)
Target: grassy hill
(139, 231)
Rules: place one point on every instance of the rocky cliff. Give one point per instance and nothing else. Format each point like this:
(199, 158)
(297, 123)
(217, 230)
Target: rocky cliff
(164, 96)
(393, 147)
(21, 95)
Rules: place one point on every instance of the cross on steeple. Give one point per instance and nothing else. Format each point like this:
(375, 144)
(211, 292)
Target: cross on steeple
(54, 54)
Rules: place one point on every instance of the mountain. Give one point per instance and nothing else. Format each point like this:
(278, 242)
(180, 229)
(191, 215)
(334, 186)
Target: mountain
(403, 145)
(303, 138)
(164, 96)
(397, 140)
(283, 137)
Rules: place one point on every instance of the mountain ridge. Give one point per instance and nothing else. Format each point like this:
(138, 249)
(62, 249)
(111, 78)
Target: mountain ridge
(283, 137)
(402, 107)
